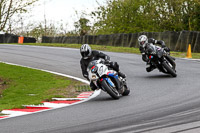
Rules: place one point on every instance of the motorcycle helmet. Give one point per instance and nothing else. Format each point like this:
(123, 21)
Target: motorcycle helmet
(85, 51)
(142, 40)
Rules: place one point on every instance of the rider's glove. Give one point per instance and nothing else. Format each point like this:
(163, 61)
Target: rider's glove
(166, 49)
(107, 61)
(85, 75)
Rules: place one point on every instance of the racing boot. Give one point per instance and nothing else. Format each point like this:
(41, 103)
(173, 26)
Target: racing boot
(150, 68)
(92, 86)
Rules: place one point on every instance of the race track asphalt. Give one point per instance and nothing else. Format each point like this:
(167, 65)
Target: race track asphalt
(156, 100)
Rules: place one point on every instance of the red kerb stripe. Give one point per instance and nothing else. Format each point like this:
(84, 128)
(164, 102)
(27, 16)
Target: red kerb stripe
(30, 109)
(3, 117)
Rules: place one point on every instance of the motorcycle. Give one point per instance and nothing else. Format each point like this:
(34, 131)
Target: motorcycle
(161, 59)
(107, 79)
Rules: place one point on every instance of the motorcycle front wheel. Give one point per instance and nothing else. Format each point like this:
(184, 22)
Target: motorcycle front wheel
(110, 90)
(169, 69)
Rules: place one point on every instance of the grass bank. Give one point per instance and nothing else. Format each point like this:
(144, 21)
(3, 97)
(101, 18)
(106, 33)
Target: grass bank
(111, 49)
(24, 86)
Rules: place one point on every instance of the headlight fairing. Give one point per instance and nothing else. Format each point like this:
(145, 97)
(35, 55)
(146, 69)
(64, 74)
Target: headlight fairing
(94, 77)
(100, 72)
(94, 69)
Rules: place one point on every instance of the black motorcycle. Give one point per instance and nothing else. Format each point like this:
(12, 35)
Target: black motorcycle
(161, 59)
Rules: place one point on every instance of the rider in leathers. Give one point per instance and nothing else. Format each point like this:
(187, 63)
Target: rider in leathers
(143, 43)
(89, 55)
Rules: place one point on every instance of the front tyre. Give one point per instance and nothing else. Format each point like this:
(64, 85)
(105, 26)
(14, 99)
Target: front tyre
(169, 69)
(110, 90)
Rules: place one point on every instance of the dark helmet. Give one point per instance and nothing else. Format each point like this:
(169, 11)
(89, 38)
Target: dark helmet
(85, 51)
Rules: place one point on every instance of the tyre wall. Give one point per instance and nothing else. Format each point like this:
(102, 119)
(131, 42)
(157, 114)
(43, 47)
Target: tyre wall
(176, 41)
(10, 38)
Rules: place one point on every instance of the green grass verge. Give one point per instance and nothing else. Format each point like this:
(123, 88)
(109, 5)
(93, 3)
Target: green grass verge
(2, 114)
(24, 86)
(112, 49)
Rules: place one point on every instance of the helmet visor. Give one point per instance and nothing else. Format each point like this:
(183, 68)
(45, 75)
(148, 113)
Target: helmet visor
(84, 54)
(142, 42)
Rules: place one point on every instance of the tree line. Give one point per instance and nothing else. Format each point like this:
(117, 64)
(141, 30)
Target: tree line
(132, 16)
(116, 16)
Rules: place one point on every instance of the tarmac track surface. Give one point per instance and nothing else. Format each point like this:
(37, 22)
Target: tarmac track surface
(157, 101)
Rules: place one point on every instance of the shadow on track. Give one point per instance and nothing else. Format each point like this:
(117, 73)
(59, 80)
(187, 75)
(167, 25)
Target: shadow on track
(159, 76)
(107, 98)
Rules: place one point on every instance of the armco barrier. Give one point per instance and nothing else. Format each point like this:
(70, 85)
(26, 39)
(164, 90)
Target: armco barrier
(10, 38)
(1, 38)
(176, 41)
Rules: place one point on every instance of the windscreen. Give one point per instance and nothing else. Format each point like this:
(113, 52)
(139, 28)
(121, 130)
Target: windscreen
(91, 64)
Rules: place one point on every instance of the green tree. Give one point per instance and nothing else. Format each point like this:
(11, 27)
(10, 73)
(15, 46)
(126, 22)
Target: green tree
(8, 8)
(129, 16)
(82, 26)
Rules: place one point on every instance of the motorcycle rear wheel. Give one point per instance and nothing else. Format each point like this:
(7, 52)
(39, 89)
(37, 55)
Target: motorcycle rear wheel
(126, 91)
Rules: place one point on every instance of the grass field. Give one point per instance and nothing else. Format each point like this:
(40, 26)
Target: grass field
(111, 49)
(23, 86)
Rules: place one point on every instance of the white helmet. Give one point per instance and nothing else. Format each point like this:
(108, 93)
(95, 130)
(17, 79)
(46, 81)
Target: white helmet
(143, 40)
(85, 51)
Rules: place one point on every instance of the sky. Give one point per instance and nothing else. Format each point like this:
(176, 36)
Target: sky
(63, 10)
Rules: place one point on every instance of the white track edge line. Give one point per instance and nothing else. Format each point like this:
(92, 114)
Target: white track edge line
(95, 94)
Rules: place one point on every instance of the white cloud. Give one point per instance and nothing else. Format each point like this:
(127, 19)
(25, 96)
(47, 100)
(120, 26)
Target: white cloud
(57, 10)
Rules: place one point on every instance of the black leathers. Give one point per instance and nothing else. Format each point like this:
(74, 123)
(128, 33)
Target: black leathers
(94, 56)
(144, 50)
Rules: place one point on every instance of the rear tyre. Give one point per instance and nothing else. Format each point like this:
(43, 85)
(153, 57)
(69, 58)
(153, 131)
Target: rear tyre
(110, 90)
(126, 92)
(169, 69)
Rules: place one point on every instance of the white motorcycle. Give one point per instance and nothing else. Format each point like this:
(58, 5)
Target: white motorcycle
(107, 79)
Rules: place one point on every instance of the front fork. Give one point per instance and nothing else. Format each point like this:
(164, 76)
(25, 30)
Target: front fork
(115, 83)
(109, 82)
(171, 61)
